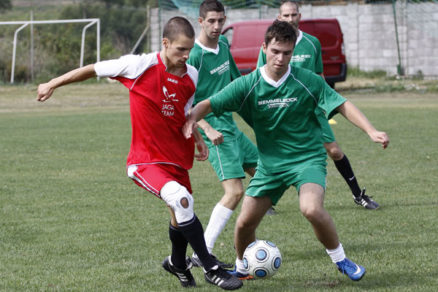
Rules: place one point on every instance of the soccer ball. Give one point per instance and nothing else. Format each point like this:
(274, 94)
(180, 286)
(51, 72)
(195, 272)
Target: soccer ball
(262, 259)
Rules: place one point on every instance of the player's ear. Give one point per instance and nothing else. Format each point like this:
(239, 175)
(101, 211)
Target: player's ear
(165, 42)
(200, 19)
(264, 47)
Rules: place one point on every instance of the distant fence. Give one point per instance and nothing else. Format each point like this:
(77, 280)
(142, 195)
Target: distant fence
(399, 37)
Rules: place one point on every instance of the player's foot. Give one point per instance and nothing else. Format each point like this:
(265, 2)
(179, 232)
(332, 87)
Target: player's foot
(197, 262)
(241, 276)
(222, 279)
(351, 269)
(365, 201)
(271, 211)
(185, 276)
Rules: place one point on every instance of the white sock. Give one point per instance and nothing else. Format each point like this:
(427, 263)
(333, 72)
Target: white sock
(239, 266)
(336, 254)
(218, 219)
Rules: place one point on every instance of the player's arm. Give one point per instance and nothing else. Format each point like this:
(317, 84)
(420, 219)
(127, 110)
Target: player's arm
(197, 113)
(356, 117)
(213, 135)
(200, 146)
(45, 90)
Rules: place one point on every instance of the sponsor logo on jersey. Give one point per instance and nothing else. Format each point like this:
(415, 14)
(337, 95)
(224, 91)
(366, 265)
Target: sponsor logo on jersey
(300, 58)
(221, 69)
(172, 80)
(277, 102)
(168, 109)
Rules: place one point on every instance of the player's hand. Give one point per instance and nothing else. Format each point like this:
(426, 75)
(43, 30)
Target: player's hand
(188, 128)
(380, 137)
(44, 92)
(202, 148)
(214, 136)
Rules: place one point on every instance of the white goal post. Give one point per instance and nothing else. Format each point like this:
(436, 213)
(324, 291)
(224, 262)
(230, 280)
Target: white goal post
(90, 21)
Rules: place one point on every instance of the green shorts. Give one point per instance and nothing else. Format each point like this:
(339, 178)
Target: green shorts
(233, 156)
(275, 184)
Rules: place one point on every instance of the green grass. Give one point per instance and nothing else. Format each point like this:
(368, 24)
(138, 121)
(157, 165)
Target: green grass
(70, 219)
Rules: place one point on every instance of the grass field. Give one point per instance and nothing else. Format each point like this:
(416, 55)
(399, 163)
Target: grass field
(70, 219)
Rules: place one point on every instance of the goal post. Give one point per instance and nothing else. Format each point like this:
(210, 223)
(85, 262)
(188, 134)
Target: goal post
(24, 24)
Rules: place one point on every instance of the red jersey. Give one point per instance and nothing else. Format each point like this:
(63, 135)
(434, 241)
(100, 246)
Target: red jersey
(159, 102)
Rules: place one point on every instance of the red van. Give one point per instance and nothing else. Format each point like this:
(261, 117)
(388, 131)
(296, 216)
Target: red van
(246, 38)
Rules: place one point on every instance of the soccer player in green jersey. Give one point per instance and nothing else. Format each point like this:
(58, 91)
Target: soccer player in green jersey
(307, 54)
(231, 153)
(283, 103)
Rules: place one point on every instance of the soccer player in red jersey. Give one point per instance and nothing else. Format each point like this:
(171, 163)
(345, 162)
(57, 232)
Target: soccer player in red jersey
(161, 91)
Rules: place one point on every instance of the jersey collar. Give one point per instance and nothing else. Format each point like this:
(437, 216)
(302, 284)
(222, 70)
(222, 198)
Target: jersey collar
(160, 61)
(299, 37)
(214, 51)
(275, 84)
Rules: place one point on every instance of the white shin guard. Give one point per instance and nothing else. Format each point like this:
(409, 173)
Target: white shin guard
(174, 195)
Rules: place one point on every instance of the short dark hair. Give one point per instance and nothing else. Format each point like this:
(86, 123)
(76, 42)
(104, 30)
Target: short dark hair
(281, 31)
(210, 5)
(296, 3)
(176, 26)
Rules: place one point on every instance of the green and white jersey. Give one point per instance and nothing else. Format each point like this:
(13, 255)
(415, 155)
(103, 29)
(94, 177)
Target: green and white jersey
(283, 114)
(307, 54)
(216, 69)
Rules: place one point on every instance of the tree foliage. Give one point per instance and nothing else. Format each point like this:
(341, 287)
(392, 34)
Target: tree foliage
(5, 4)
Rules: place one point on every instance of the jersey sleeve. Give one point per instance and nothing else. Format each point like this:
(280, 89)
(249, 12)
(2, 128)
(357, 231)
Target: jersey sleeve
(230, 99)
(329, 100)
(261, 61)
(318, 58)
(128, 66)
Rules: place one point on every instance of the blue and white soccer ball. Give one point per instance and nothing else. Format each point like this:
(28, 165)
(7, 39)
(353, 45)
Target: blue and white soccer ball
(262, 259)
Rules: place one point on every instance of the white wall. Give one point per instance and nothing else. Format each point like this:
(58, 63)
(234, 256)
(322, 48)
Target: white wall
(369, 32)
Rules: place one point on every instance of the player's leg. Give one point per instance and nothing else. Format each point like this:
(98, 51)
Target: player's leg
(164, 182)
(311, 197)
(223, 210)
(181, 202)
(263, 191)
(229, 160)
(344, 167)
(251, 214)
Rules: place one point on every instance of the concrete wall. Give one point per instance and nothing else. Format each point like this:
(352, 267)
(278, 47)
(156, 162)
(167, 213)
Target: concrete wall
(369, 33)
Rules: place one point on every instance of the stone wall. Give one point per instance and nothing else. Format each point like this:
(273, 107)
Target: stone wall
(369, 33)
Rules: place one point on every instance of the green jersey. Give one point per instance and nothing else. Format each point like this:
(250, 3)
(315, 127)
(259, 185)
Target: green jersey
(307, 54)
(283, 114)
(216, 69)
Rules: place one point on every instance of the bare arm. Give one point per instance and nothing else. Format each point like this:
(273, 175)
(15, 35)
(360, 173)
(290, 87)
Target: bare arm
(45, 90)
(213, 135)
(198, 112)
(200, 146)
(356, 117)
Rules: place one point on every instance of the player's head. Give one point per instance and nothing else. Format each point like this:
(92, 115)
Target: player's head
(178, 40)
(278, 46)
(211, 18)
(290, 12)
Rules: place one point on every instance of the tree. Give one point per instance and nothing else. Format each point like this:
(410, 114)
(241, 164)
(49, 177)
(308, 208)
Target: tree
(5, 4)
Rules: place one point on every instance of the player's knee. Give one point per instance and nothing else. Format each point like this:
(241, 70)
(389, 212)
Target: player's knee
(179, 199)
(232, 198)
(335, 152)
(244, 223)
(311, 212)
